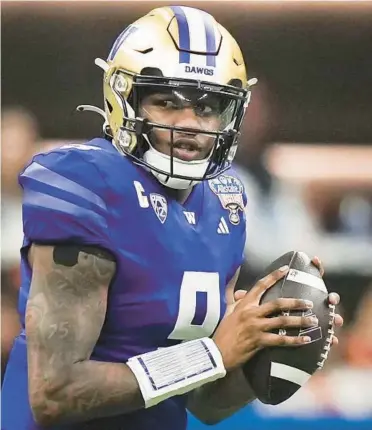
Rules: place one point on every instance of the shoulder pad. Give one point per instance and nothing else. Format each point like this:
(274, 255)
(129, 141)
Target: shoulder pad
(64, 197)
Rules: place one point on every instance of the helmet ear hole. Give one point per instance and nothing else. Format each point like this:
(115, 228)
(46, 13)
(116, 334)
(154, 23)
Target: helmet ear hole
(109, 106)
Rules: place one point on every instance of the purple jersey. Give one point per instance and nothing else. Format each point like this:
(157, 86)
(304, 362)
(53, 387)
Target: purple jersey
(173, 262)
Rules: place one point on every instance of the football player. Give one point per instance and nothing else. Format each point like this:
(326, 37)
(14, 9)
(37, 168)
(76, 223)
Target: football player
(133, 244)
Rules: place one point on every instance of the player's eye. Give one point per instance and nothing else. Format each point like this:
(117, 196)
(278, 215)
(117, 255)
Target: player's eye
(166, 103)
(205, 109)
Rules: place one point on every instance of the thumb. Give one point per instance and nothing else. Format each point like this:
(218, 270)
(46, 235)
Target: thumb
(239, 294)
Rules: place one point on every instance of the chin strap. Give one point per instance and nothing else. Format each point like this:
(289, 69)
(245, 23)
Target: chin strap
(82, 108)
(102, 64)
(90, 108)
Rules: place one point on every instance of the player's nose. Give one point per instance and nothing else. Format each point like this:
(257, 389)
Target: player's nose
(187, 119)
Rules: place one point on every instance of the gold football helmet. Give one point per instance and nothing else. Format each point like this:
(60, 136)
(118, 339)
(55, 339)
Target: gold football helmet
(177, 49)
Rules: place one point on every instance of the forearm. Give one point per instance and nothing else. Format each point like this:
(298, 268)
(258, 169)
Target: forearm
(64, 317)
(93, 389)
(218, 400)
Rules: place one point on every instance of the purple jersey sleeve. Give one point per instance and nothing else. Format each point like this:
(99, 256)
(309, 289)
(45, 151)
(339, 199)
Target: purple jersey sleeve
(63, 198)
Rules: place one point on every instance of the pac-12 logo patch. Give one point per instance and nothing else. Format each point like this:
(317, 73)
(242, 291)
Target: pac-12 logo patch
(160, 206)
(229, 190)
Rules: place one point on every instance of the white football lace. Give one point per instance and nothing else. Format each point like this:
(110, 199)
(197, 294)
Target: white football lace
(330, 334)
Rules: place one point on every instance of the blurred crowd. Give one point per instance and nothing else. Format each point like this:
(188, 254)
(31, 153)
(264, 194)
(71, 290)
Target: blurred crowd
(281, 216)
(19, 141)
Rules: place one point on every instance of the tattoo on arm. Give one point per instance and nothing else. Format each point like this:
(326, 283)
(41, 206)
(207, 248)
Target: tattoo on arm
(64, 317)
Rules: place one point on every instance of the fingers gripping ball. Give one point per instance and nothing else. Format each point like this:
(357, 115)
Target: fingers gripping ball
(276, 373)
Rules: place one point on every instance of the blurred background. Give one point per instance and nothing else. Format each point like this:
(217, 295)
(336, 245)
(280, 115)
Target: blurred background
(305, 157)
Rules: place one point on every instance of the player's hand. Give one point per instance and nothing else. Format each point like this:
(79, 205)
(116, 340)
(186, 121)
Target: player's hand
(247, 328)
(333, 298)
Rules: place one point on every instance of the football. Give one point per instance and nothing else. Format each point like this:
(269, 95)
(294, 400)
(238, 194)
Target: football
(276, 373)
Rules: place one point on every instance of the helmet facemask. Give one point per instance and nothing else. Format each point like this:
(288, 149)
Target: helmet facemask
(222, 106)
